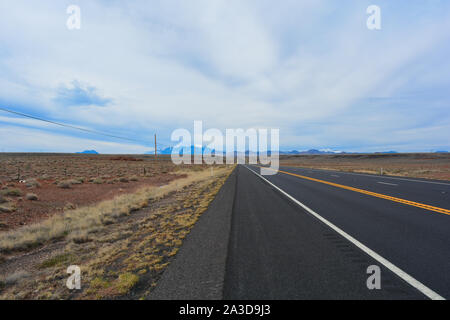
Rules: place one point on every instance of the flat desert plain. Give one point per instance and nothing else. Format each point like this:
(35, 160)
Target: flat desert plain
(417, 165)
(121, 219)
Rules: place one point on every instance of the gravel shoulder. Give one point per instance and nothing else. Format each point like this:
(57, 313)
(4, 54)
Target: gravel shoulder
(198, 271)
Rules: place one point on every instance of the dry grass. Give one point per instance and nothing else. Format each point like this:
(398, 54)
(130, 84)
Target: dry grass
(82, 221)
(56, 260)
(12, 192)
(429, 166)
(7, 208)
(120, 254)
(3, 199)
(14, 278)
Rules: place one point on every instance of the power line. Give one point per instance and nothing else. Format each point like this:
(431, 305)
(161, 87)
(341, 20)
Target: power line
(71, 127)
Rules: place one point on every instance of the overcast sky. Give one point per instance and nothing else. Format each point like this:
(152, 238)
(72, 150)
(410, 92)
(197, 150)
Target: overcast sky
(310, 68)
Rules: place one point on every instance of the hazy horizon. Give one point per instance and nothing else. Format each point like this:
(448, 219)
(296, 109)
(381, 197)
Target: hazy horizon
(309, 68)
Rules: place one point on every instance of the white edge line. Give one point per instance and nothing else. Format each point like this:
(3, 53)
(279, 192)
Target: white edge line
(389, 184)
(402, 274)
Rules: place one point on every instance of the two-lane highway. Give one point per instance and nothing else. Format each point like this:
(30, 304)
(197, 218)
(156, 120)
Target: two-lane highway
(283, 244)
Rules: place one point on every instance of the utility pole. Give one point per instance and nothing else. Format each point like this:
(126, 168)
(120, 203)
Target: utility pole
(156, 155)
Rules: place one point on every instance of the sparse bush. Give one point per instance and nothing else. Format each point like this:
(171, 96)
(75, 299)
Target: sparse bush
(134, 178)
(99, 283)
(97, 181)
(32, 183)
(123, 179)
(126, 282)
(12, 192)
(5, 209)
(76, 224)
(64, 185)
(80, 238)
(69, 206)
(75, 181)
(31, 197)
(57, 260)
(3, 199)
(107, 221)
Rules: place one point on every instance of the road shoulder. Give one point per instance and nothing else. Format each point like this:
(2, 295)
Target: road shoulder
(198, 271)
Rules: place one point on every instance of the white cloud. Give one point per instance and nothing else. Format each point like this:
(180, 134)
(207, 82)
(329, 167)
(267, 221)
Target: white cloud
(19, 139)
(228, 63)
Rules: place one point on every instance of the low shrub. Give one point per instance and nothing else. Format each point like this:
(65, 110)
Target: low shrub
(126, 282)
(75, 181)
(12, 192)
(97, 181)
(32, 183)
(3, 199)
(31, 197)
(4, 209)
(57, 260)
(69, 206)
(64, 185)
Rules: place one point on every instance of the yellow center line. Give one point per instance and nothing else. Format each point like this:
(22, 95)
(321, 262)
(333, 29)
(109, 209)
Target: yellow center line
(374, 194)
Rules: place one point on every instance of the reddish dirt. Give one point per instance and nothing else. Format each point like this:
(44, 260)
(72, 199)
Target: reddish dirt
(123, 158)
(53, 199)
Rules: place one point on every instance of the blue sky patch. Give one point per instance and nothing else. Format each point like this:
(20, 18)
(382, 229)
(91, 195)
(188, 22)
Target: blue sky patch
(80, 95)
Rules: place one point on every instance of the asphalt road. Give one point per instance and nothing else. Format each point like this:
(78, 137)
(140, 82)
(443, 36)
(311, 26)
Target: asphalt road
(280, 250)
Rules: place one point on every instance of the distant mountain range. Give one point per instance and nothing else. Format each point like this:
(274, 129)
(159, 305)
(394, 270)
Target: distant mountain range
(311, 151)
(194, 150)
(197, 150)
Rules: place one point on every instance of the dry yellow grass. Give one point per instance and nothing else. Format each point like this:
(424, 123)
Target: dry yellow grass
(77, 224)
(123, 257)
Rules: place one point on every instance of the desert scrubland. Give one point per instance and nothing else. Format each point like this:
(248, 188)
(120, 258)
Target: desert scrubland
(121, 219)
(417, 165)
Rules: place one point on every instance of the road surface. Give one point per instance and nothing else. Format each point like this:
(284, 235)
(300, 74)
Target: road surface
(313, 234)
(283, 245)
